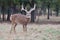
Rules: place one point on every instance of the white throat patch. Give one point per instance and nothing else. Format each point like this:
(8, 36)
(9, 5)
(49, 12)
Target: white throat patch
(28, 15)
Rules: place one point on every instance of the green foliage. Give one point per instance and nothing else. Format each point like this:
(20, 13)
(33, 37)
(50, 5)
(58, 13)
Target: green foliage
(53, 3)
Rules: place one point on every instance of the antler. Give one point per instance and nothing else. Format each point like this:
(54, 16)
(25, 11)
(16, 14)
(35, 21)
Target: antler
(23, 8)
(32, 8)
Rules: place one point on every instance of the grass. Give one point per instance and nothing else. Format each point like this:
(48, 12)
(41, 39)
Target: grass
(51, 34)
(35, 32)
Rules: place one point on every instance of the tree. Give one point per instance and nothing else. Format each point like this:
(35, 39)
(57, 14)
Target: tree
(32, 13)
(3, 9)
(57, 9)
(48, 10)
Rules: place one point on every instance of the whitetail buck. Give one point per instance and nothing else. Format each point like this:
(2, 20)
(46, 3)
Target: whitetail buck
(22, 19)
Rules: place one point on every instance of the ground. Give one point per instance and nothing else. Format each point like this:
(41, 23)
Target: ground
(35, 32)
(42, 29)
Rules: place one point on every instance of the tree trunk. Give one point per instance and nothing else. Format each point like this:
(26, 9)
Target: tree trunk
(14, 8)
(3, 11)
(8, 17)
(32, 16)
(57, 13)
(48, 10)
(51, 12)
(44, 11)
(3, 16)
(43, 8)
(57, 10)
(32, 13)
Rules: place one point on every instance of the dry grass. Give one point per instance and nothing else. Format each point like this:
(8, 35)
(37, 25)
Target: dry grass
(35, 32)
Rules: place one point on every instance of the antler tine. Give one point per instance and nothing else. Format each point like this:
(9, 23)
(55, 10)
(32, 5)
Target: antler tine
(32, 8)
(22, 7)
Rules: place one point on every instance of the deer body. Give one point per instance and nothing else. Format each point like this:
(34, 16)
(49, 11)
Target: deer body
(20, 18)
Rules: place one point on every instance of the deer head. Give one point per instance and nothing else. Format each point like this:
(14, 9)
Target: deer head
(28, 13)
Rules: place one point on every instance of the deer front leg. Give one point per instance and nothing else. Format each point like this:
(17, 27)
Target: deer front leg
(13, 28)
(25, 28)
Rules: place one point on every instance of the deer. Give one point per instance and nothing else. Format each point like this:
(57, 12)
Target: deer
(21, 19)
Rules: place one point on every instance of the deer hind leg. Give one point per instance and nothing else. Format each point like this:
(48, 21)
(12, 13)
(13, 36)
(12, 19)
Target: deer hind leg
(25, 28)
(13, 28)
